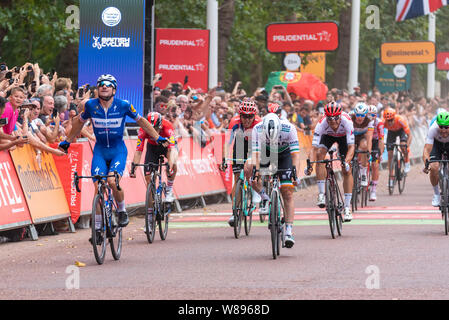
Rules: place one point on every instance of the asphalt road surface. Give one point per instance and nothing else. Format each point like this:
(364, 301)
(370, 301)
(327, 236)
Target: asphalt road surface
(395, 249)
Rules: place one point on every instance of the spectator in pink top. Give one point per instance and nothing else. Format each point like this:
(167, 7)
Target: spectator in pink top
(8, 141)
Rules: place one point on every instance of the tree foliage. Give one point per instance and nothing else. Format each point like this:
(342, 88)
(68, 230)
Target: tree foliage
(35, 31)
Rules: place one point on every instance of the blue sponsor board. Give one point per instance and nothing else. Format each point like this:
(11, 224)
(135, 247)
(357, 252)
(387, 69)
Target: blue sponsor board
(112, 41)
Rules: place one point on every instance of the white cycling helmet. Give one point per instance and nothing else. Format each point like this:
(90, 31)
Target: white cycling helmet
(271, 127)
(373, 109)
(361, 109)
(107, 78)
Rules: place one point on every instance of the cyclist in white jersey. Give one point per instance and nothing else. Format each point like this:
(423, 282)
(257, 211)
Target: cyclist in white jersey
(335, 127)
(437, 143)
(275, 143)
(363, 133)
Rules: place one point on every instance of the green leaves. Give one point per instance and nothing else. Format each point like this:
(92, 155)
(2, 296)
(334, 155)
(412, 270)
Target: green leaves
(36, 30)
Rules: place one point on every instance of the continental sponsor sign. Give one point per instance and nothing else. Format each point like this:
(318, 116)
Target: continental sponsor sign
(408, 52)
(41, 185)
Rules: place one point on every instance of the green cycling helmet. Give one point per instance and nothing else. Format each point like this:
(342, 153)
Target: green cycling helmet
(443, 118)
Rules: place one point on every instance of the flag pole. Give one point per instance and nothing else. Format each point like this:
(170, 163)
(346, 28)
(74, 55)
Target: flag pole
(354, 46)
(431, 66)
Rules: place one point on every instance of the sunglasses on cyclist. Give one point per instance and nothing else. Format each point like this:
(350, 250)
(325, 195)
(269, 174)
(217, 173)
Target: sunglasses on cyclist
(107, 84)
(334, 118)
(360, 115)
(443, 127)
(247, 116)
(373, 115)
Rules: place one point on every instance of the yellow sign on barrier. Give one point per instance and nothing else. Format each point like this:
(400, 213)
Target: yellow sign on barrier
(41, 185)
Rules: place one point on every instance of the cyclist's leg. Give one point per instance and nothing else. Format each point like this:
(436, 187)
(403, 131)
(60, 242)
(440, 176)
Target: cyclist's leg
(434, 176)
(347, 175)
(391, 138)
(325, 143)
(404, 149)
(375, 170)
(172, 157)
(99, 167)
(287, 188)
(117, 160)
(363, 159)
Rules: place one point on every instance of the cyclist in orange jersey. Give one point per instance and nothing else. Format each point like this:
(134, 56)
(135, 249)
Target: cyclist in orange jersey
(397, 126)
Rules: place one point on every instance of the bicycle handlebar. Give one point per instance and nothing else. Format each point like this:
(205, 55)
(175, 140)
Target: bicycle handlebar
(98, 177)
(149, 165)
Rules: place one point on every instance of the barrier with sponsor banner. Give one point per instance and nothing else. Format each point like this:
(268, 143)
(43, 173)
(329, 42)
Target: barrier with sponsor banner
(41, 185)
(13, 206)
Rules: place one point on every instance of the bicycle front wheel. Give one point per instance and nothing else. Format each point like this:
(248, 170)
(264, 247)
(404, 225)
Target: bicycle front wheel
(331, 207)
(356, 186)
(116, 239)
(150, 217)
(392, 177)
(249, 211)
(401, 175)
(274, 223)
(98, 243)
(237, 208)
(164, 211)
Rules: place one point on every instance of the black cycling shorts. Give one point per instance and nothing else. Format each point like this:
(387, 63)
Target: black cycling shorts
(438, 149)
(392, 135)
(328, 141)
(280, 161)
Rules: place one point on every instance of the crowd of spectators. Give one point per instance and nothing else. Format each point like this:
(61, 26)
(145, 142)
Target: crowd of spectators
(39, 107)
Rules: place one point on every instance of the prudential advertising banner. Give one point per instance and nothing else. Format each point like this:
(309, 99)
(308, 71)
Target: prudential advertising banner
(112, 41)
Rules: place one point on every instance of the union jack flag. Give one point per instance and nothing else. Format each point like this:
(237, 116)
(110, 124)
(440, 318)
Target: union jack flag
(408, 9)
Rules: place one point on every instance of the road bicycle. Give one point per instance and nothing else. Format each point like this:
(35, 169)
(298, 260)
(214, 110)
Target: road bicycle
(397, 168)
(242, 204)
(276, 221)
(369, 189)
(155, 199)
(444, 187)
(334, 199)
(104, 205)
(359, 193)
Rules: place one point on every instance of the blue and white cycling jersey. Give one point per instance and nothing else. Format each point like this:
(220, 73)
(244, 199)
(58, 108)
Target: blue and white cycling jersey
(110, 151)
(109, 124)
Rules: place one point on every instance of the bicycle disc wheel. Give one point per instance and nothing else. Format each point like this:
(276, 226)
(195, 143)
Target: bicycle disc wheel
(164, 212)
(401, 176)
(99, 248)
(330, 208)
(150, 219)
(274, 223)
(116, 240)
(237, 209)
(249, 210)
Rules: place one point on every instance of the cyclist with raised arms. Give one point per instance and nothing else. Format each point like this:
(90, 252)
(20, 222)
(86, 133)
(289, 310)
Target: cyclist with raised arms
(335, 127)
(363, 133)
(275, 142)
(397, 126)
(437, 143)
(378, 145)
(240, 128)
(108, 115)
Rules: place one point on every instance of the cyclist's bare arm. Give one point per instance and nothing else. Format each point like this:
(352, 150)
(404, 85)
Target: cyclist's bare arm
(145, 125)
(77, 126)
(350, 153)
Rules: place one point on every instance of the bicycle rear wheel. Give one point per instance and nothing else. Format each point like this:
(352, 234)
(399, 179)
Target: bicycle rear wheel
(401, 175)
(150, 218)
(116, 240)
(249, 210)
(330, 208)
(274, 224)
(163, 217)
(99, 245)
(237, 209)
